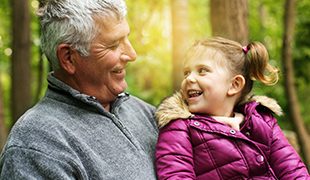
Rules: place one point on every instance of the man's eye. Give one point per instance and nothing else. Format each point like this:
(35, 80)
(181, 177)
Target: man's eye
(114, 46)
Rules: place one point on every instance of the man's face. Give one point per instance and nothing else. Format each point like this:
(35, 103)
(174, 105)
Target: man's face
(102, 73)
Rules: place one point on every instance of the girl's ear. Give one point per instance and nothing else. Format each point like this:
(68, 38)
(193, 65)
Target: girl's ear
(237, 85)
(65, 56)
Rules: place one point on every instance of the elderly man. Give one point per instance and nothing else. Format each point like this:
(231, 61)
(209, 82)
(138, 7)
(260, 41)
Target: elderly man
(86, 126)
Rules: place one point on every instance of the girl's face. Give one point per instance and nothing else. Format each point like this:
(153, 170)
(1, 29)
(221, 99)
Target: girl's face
(206, 83)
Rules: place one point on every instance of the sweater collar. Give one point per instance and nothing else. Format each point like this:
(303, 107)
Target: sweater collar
(57, 85)
(60, 87)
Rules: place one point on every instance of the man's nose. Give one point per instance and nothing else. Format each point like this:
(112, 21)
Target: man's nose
(129, 53)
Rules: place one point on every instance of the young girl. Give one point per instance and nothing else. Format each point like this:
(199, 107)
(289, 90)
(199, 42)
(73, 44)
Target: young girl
(213, 130)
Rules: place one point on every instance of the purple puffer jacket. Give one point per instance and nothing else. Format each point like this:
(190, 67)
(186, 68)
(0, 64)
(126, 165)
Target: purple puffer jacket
(199, 147)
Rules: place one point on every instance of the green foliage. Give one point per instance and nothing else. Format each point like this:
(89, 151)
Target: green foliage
(302, 57)
(266, 26)
(150, 76)
(5, 53)
(199, 18)
(36, 55)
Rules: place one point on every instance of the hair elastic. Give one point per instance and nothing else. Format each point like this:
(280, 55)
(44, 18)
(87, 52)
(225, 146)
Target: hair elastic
(245, 49)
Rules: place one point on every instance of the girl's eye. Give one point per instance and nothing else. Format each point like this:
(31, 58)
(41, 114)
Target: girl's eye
(202, 71)
(186, 73)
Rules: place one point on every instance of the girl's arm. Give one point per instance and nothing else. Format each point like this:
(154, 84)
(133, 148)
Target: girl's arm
(174, 155)
(284, 160)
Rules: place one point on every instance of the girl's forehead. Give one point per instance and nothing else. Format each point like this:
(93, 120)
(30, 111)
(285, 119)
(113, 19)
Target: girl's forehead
(202, 53)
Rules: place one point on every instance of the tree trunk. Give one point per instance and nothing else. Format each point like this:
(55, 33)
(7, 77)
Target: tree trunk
(229, 19)
(288, 71)
(20, 67)
(180, 41)
(3, 129)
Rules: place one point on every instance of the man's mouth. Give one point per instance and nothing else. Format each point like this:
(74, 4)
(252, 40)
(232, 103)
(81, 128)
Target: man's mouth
(119, 73)
(119, 70)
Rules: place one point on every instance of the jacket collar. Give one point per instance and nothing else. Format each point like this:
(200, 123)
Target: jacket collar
(174, 107)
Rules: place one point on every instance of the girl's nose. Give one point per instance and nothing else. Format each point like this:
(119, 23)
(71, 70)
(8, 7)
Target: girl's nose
(191, 78)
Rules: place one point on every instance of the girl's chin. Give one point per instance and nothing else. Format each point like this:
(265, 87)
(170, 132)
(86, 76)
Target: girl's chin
(193, 109)
(197, 109)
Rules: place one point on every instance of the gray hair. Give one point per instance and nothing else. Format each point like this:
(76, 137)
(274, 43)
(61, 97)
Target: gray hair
(71, 22)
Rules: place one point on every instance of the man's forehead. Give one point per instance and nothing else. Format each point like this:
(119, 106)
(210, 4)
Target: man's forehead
(112, 29)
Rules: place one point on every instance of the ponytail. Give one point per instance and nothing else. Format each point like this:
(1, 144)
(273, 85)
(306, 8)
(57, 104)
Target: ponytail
(257, 63)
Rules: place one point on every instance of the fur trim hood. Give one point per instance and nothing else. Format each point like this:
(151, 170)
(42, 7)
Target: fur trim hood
(174, 107)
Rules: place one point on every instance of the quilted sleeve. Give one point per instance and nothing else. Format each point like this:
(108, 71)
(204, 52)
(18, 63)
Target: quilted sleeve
(284, 160)
(174, 155)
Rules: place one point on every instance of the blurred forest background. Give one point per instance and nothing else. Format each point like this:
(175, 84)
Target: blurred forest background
(161, 31)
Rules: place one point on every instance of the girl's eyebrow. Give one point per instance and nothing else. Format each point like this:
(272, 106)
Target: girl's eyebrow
(186, 68)
(202, 65)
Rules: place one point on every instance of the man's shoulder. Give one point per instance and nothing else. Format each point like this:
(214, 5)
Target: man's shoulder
(37, 125)
(32, 126)
(41, 116)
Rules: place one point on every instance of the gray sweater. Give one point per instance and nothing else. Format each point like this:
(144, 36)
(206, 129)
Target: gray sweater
(69, 135)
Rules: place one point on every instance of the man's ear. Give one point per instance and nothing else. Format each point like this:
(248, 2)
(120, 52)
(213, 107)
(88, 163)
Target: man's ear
(66, 58)
(237, 85)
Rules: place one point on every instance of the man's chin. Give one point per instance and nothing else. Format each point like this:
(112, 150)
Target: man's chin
(121, 88)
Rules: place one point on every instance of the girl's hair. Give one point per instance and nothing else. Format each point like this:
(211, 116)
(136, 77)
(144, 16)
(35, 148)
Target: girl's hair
(72, 22)
(251, 61)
